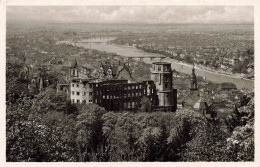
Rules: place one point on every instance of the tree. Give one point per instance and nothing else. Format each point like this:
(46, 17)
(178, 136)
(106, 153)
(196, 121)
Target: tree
(49, 100)
(146, 104)
(89, 132)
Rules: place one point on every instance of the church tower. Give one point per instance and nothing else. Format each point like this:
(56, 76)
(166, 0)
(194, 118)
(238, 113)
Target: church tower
(193, 80)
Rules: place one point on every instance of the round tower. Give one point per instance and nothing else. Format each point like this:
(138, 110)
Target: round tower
(161, 74)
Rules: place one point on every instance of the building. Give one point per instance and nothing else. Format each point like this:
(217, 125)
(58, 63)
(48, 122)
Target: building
(115, 94)
(79, 71)
(162, 76)
(228, 86)
(194, 99)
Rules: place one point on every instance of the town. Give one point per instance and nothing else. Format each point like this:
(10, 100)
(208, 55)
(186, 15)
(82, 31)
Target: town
(71, 97)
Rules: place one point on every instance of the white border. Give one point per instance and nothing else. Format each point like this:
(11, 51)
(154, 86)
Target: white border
(4, 3)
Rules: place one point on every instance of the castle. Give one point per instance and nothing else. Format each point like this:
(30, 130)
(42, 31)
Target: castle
(113, 87)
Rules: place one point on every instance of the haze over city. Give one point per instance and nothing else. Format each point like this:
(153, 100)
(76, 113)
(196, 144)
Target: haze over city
(133, 14)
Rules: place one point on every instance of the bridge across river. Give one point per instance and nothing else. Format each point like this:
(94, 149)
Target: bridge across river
(147, 57)
(141, 58)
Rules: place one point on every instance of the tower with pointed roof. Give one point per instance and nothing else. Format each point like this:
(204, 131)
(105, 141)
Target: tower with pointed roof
(193, 80)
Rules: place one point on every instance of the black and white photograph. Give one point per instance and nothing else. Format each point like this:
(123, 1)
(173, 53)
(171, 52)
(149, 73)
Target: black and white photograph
(138, 83)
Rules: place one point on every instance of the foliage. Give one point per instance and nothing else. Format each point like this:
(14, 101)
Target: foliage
(89, 132)
(146, 104)
(47, 127)
(241, 125)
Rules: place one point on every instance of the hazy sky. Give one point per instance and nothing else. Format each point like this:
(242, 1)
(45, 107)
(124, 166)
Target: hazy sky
(133, 14)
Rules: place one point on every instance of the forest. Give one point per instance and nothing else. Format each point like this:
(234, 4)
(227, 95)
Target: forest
(47, 128)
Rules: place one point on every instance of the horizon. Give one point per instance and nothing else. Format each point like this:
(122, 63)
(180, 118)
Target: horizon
(151, 15)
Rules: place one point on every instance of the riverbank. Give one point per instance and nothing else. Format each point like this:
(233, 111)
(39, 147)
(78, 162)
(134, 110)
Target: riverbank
(178, 66)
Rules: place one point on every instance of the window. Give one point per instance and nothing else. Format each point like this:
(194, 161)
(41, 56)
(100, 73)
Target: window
(165, 68)
(90, 93)
(84, 94)
(73, 101)
(125, 105)
(104, 96)
(125, 95)
(159, 68)
(133, 94)
(72, 85)
(90, 101)
(90, 85)
(72, 92)
(77, 85)
(84, 101)
(133, 104)
(78, 101)
(129, 105)
(78, 93)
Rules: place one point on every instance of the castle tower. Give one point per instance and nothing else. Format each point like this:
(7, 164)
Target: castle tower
(162, 77)
(193, 80)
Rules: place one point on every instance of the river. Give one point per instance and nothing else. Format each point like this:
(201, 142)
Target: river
(127, 51)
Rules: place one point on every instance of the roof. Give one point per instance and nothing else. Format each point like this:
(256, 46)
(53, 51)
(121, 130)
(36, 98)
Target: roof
(192, 98)
(228, 85)
(161, 63)
(201, 105)
(114, 68)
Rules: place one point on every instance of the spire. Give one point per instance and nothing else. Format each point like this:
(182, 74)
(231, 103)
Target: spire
(193, 70)
(74, 63)
(193, 80)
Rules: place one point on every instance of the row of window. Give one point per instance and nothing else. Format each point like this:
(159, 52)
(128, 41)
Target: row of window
(127, 88)
(125, 95)
(159, 68)
(78, 101)
(77, 85)
(84, 93)
(130, 104)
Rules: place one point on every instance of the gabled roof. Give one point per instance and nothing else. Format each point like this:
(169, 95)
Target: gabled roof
(201, 105)
(127, 68)
(192, 98)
